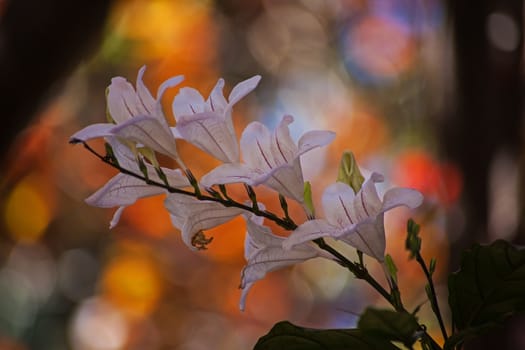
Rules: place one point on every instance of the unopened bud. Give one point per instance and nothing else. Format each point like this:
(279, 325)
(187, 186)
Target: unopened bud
(349, 172)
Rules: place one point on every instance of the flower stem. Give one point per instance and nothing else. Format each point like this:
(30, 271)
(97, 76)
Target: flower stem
(433, 298)
(227, 202)
(358, 269)
(359, 272)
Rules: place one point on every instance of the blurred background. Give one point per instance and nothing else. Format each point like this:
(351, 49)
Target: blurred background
(426, 92)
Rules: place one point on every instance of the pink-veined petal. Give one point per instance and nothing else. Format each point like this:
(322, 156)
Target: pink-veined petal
(208, 217)
(125, 157)
(122, 101)
(286, 180)
(216, 102)
(256, 147)
(169, 83)
(337, 201)
(143, 93)
(149, 132)
(209, 132)
(368, 237)
(366, 202)
(284, 149)
(230, 173)
(187, 102)
(401, 196)
(242, 89)
(192, 216)
(308, 231)
(267, 255)
(122, 190)
(91, 132)
(314, 139)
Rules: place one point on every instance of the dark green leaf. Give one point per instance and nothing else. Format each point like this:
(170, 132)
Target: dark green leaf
(489, 287)
(390, 325)
(286, 336)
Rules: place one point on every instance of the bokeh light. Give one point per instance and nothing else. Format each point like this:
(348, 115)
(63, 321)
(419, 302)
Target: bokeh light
(68, 282)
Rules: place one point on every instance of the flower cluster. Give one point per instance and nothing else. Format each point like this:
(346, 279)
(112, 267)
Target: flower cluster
(137, 130)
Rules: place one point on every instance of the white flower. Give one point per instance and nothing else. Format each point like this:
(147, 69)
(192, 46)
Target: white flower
(123, 190)
(270, 158)
(192, 216)
(264, 253)
(208, 124)
(357, 219)
(137, 116)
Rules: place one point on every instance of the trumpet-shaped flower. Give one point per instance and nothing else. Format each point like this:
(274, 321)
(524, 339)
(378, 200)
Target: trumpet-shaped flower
(192, 217)
(123, 190)
(357, 219)
(208, 124)
(269, 158)
(136, 116)
(264, 252)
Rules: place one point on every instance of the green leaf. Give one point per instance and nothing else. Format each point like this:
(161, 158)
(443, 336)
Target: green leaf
(488, 288)
(390, 325)
(286, 336)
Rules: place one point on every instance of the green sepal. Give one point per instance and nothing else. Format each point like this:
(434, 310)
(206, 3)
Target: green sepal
(391, 268)
(349, 172)
(432, 266)
(110, 155)
(308, 202)
(109, 118)
(413, 241)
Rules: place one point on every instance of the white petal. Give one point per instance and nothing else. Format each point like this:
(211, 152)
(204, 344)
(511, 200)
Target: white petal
(338, 205)
(273, 258)
(175, 177)
(308, 231)
(314, 139)
(230, 173)
(216, 102)
(210, 132)
(148, 102)
(284, 149)
(122, 100)
(208, 216)
(116, 217)
(367, 203)
(125, 157)
(401, 196)
(243, 88)
(258, 236)
(286, 180)
(256, 147)
(368, 238)
(266, 254)
(91, 132)
(171, 82)
(244, 294)
(122, 190)
(187, 102)
(192, 216)
(149, 132)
